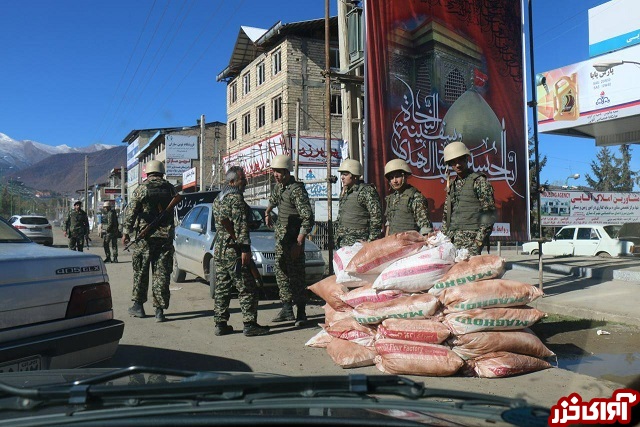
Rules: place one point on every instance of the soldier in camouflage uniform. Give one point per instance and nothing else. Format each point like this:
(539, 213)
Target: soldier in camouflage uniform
(407, 208)
(76, 227)
(295, 221)
(148, 201)
(110, 232)
(360, 213)
(469, 209)
(230, 205)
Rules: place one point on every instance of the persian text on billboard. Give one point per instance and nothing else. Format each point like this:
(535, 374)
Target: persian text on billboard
(255, 158)
(560, 208)
(183, 147)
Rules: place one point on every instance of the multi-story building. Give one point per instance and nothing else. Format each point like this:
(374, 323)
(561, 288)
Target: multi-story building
(276, 101)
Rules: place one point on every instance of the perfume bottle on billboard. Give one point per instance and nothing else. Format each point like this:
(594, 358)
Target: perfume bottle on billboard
(565, 98)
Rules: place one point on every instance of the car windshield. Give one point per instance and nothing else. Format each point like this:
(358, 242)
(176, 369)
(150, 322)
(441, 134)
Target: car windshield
(256, 221)
(34, 220)
(612, 230)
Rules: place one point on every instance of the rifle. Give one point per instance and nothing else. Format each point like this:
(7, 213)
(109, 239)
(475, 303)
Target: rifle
(149, 228)
(228, 225)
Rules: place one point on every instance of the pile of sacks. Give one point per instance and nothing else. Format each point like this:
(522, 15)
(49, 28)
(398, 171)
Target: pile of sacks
(416, 306)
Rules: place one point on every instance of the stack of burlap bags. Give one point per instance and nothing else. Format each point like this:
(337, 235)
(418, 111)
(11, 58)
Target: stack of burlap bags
(417, 306)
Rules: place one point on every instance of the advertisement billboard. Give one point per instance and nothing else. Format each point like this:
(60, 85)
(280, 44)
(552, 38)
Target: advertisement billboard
(182, 147)
(560, 208)
(255, 158)
(438, 72)
(313, 151)
(613, 25)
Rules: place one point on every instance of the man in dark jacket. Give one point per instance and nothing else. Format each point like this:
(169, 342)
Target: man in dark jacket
(110, 232)
(76, 227)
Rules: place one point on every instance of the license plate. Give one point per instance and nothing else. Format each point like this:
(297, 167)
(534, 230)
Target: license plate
(36, 229)
(271, 268)
(28, 364)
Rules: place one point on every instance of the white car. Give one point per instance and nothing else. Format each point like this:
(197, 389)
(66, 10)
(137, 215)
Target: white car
(584, 240)
(194, 253)
(56, 309)
(36, 227)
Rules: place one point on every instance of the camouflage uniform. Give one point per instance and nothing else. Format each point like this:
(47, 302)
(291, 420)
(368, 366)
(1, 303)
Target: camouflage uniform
(110, 230)
(290, 272)
(76, 226)
(365, 210)
(470, 236)
(230, 204)
(156, 249)
(418, 211)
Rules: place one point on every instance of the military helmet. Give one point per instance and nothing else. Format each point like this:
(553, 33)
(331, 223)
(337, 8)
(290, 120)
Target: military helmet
(396, 165)
(77, 203)
(281, 161)
(454, 150)
(155, 166)
(106, 204)
(352, 166)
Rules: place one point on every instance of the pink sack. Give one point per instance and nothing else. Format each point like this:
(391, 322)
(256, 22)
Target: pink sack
(487, 294)
(331, 316)
(319, 340)
(427, 330)
(350, 355)
(492, 319)
(330, 291)
(366, 293)
(504, 364)
(414, 358)
(378, 254)
(341, 259)
(418, 306)
(476, 268)
(469, 346)
(350, 330)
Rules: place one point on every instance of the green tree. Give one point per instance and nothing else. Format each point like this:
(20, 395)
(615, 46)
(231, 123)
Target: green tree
(626, 177)
(5, 203)
(605, 174)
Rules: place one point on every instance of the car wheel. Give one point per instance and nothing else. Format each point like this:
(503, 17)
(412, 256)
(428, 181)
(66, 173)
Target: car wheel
(604, 255)
(49, 243)
(212, 278)
(534, 252)
(177, 275)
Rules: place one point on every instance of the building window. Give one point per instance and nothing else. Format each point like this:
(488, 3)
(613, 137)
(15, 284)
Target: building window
(334, 58)
(260, 71)
(233, 131)
(233, 92)
(276, 108)
(276, 62)
(454, 86)
(246, 83)
(261, 113)
(336, 105)
(246, 124)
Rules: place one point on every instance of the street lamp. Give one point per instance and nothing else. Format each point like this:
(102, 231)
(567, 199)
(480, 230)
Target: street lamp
(604, 66)
(566, 181)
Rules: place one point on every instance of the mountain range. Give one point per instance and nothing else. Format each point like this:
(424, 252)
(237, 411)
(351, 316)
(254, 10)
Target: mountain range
(59, 169)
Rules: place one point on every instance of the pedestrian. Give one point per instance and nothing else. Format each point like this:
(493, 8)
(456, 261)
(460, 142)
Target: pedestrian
(148, 203)
(76, 227)
(469, 208)
(360, 213)
(407, 208)
(294, 223)
(231, 213)
(110, 230)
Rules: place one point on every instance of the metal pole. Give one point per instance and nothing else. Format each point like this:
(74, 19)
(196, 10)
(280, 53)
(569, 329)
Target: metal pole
(86, 183)
(297, 159)
(327, 83)
(202, 186)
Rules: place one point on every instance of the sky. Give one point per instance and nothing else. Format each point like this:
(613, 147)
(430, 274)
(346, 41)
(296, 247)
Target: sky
(80, 72)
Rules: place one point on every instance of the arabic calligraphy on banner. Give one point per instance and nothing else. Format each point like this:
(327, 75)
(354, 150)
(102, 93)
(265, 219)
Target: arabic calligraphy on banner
(576, 207)
(254, 159)
(313, 151)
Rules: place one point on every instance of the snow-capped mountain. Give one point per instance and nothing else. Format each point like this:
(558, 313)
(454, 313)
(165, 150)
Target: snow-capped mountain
(16, 155)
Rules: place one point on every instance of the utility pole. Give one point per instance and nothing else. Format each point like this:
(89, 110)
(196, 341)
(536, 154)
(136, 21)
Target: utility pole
(122, 189)
(327, 84)
(86, 182)
(202, 185)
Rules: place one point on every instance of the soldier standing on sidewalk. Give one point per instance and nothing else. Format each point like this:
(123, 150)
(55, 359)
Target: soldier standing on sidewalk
(147, 203)
(76, 227)
(469, 208)
(110, 232)
(407, 208)
(360, 213)
(230, 206)
(295, 221)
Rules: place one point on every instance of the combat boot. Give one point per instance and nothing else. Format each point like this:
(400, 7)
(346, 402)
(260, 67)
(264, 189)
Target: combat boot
(222, 329)
(160, 315)
(115, 258)
(137, 310)
(107, 259)
(301, 316)
(252, 329)
(286, 313)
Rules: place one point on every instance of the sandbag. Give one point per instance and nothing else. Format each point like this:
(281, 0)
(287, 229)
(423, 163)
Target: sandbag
(418, 272)
(375, 256)
(332, 316)
(349, 329)
(418, 306)
(469, 346)
(319, 340)
(427, 330)
(479, 267)
(341, 258)
(350, 355)
(504, 364)
(492, 319)
(330, 292)
(366, 293)
(487, 294)
(415, 358)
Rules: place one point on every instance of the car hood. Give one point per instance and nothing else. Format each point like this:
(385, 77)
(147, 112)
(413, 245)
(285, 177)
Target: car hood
(265, 242)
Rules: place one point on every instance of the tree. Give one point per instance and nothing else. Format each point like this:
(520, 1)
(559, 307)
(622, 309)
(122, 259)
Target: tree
(611, 173)
(626, 177)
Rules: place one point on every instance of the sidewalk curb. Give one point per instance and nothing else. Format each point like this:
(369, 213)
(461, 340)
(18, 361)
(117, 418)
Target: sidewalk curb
(605, 273)
(546, 306)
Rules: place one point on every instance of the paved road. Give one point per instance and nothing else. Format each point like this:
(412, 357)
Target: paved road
(186, 341)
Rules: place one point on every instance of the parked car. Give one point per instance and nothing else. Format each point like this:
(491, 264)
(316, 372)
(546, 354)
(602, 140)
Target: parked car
(56, 309)
(194, 253)
(36, 227)
(630, 232)
(584, 240)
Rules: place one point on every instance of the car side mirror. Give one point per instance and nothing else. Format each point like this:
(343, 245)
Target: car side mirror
(196, 227)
